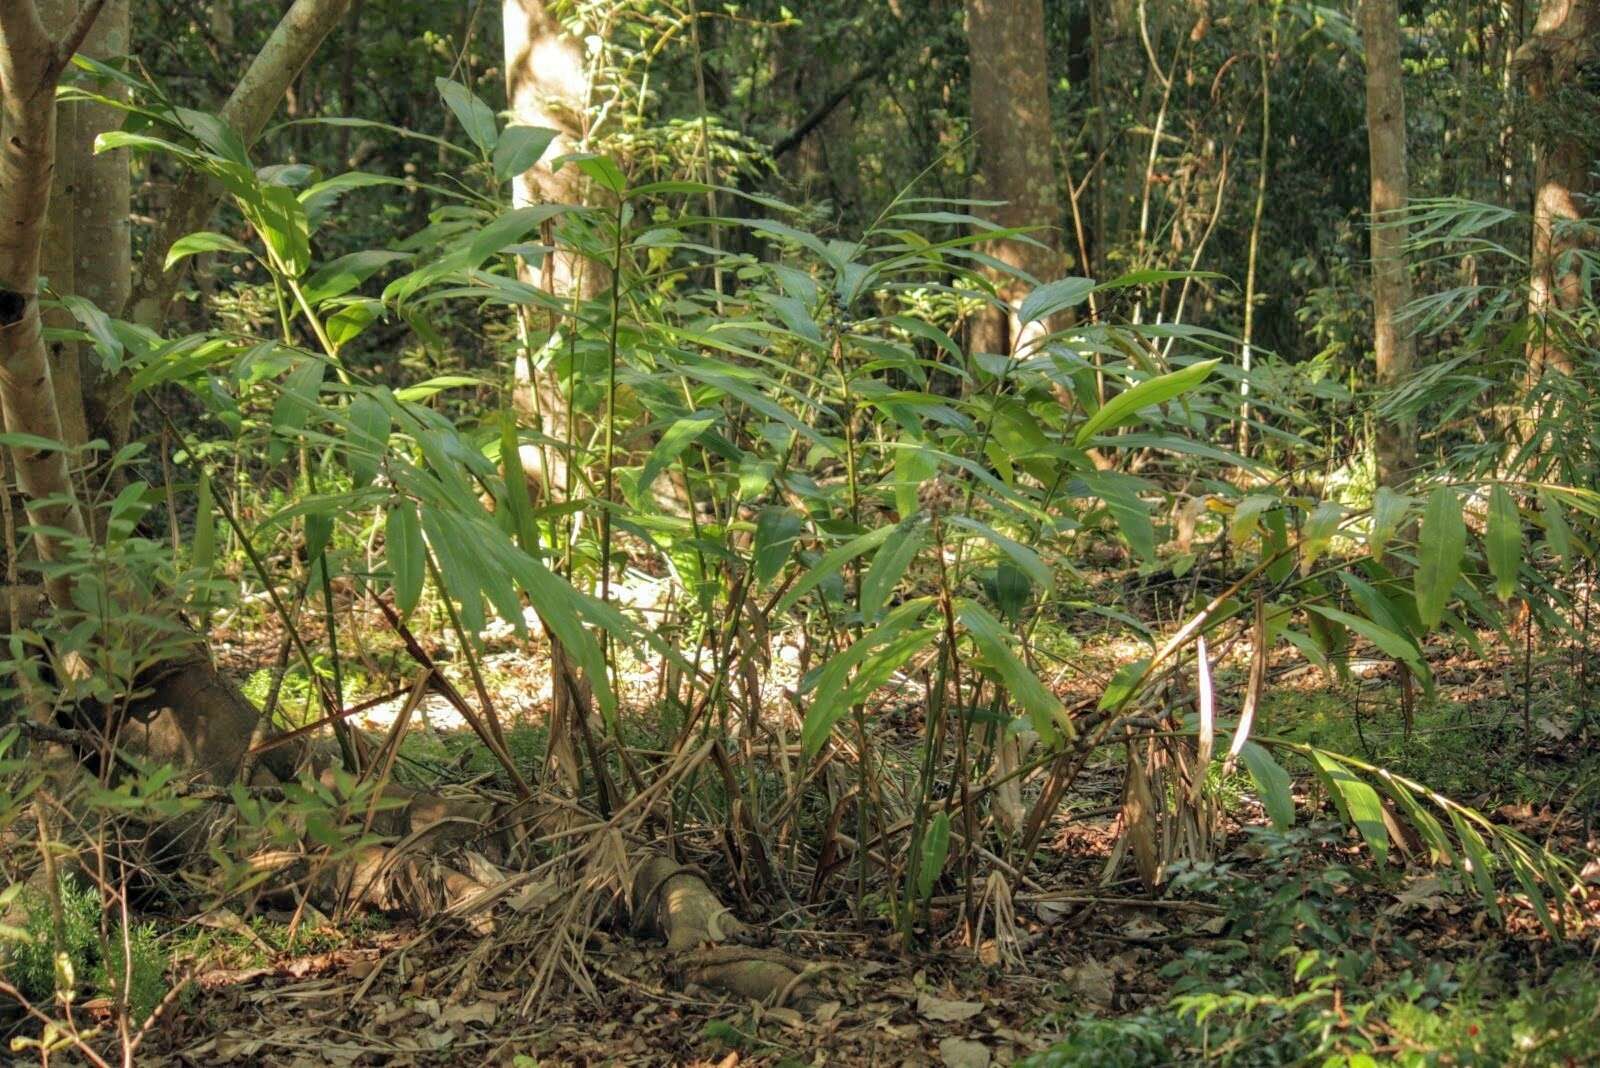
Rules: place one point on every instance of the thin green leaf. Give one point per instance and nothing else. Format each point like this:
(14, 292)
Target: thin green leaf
(1356, 800)
(1125, 406)
(1502, 541)
(1443, 541)
(1272, 783)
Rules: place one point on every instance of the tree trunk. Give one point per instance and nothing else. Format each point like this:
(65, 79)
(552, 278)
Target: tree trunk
(58, 256)
(547, 85)
(102, 245)
(1394, 348)
(30, 66)
(1559, 64)
(1010, 94)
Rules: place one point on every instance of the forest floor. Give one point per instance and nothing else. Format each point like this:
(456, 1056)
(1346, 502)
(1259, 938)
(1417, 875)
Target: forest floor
(1505, 732)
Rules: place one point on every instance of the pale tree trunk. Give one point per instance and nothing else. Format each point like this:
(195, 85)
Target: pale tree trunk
(1394, 347)
(57, 257)
(1559, 66)
(547, 85)
(31, 62)
(102, 248)
(1010, 94)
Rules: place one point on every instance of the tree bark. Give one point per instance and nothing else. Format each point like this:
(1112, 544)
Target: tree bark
(547, 85)
(1394, 347)
(58, 255)
(31, 62)
(102, 246)
(1559, 64)
(1011, 122)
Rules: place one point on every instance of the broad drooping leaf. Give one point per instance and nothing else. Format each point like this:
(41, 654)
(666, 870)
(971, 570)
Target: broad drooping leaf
(1021, 555)
(403, 547)
(1502, 541)
(1556, 532)
(1049, 715)
(519, 148)
(1053, 297)
(1318, 533)
(476, 117)
(851, 677)
(831, 562)
(204, 550)
(1127, 508)
(204, 241)
(887, 568)
(1385, 639)
(1388, 512)
(368, 438)
(1356, 800)
(777, 530)
(1272, 783)
(1442, 542)
(674, 440)
(1247, 516)
(294, 404)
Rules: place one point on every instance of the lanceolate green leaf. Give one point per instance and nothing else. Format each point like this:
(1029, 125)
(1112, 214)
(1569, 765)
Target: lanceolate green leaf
(204, 550)
(935, 849)
(1049, 715)
(1443, 542)
(1479, 862)
(518, 501)
(476, 117)
(1391, 643)
(1356, 800)
(1388, 512)
(1502, 541)
(294, 403)
(676, 438)
(1272, 783)
(458, 561)
(1556, 532)
(888, 566)
(831, 562)
(368, 438)
(204, 241)
(1132, 515)
(1021, 555)
(519, 148)
(1054, 297)
(1247, 516)
(1318, 532)
(403, 548)
(850, 677)
(1127, 404)
(777, 529)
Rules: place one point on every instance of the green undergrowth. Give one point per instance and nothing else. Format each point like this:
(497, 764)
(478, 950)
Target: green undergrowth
(96, 954)
(1307, 968)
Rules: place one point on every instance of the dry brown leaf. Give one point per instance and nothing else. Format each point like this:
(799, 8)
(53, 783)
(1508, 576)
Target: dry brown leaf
(963, 1053)
(1092, 981)
(483, 1012)
(1142, 930)
(936, 1008)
